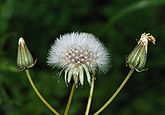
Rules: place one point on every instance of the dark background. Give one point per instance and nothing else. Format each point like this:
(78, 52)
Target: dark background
(117, 23)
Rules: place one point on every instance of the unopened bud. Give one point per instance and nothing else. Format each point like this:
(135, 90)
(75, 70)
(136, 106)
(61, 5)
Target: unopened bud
(137, 58)
(24, 57)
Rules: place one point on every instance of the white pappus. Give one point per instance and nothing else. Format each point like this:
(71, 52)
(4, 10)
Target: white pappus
(79, 55)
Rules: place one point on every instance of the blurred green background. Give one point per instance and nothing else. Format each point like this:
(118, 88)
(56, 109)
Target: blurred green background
(117, 23)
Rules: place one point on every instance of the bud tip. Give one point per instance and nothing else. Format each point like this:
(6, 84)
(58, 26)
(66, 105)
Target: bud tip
(21, 41)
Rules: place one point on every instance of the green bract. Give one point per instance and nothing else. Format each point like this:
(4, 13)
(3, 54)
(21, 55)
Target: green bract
(24, 57)
(137, 58)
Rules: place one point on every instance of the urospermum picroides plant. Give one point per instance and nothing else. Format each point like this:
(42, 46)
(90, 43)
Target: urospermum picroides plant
(81, 55)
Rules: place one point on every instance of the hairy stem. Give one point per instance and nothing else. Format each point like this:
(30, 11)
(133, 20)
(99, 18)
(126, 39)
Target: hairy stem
(90, 96)
(39, 95)
(115, 94)
(70, 100)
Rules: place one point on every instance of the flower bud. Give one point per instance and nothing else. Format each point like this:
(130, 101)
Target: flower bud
(24, 57)
(137, 58)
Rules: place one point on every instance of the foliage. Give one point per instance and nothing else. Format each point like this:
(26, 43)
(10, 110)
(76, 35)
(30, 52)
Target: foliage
(117, 24)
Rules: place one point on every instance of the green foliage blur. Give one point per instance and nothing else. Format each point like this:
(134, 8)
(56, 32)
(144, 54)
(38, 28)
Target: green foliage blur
(117, 23)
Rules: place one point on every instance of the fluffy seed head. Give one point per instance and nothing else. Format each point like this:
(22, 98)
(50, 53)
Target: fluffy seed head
(77, 53)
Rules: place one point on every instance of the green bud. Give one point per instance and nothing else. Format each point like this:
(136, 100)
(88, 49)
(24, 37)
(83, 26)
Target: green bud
(24, 57)
(137, 58)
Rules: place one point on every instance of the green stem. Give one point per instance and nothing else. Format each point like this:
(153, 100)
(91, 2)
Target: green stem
(90, 97)
(39, 95)
(115, 94)
(70, 99)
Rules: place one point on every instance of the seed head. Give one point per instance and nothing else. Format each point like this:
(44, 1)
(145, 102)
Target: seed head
(78, 54)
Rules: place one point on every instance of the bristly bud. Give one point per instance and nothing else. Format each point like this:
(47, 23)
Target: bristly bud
(24, 57)
(137, 58)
